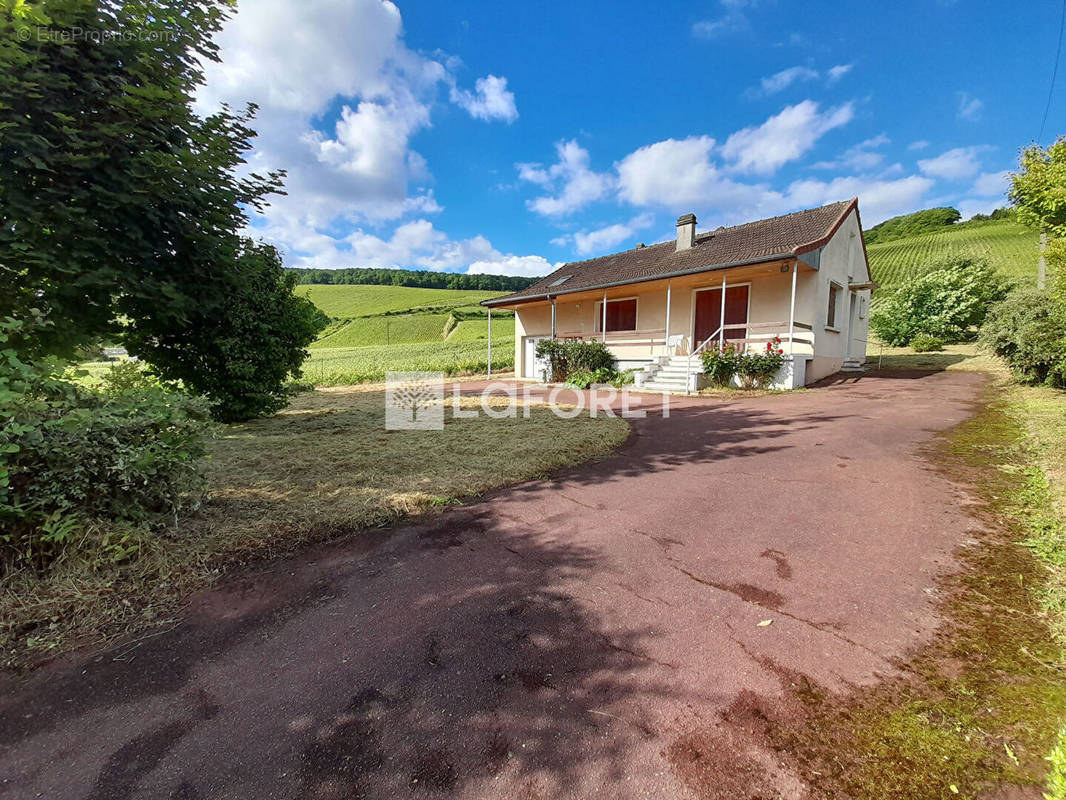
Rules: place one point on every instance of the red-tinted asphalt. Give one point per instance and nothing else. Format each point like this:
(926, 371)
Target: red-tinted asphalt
(552, 641)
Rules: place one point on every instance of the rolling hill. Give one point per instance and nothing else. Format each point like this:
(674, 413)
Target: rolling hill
(377, 328)
(1010, 247)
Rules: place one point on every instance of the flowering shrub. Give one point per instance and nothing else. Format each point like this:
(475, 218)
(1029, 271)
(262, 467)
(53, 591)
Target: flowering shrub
(758, 369)
(720, 366)
(754, 369)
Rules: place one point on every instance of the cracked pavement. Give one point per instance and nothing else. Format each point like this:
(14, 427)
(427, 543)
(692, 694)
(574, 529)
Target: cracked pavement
(553, 640)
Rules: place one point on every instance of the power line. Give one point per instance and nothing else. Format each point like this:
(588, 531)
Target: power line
(1054, 72)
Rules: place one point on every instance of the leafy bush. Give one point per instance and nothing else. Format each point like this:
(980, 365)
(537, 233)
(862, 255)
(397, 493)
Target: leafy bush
(72, 459)
(926, 343)
(127, 376)
(1028, 331)
(583, 379)
(754, 369)
(946, 302)
(565, 356)
(758, 369)
(721, 366)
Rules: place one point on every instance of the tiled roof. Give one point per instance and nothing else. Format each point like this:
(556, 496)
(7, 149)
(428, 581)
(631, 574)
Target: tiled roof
(764, 240)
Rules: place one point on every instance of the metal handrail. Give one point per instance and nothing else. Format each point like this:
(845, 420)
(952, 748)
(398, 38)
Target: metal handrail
(688, 365)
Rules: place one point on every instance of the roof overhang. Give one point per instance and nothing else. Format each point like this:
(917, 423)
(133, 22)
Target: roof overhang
(533, 298)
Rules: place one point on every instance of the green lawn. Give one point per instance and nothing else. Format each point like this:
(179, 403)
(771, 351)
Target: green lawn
(346, 302)
(1010, 247)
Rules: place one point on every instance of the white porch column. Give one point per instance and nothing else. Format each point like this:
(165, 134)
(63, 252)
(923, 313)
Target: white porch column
(721, 318)
(792, 312)
(668, 318)
(603, 322)
(553, 317)
(490, 344)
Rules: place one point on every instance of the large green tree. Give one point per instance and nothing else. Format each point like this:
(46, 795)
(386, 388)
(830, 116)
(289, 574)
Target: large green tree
(121, 208)
(1038, 192)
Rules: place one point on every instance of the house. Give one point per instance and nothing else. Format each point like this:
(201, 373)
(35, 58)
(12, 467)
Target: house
(803, 277)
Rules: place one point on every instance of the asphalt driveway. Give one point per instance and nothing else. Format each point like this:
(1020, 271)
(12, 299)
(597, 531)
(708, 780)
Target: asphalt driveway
(553, 641)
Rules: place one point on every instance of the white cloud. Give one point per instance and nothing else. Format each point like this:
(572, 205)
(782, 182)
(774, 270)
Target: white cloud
(372, 91)
(780, 81)
(733, 19)
(921, 144)
(490, 100)
(954, 164)
(861, 157)
(605, 238)
(839, 71)
(574, 184)
(878, 199)
(989, 184)
(783, 137)
(969, 107)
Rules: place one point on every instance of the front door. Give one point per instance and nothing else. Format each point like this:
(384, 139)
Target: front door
(709, 313)
(533, 366)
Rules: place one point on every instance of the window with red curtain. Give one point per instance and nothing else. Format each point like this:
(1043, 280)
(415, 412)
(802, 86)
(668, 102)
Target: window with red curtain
(621, 315)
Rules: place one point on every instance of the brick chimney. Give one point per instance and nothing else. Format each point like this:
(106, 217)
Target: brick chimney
(686, 232)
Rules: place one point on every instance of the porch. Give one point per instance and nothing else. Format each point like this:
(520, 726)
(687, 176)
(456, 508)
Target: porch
(658, 326)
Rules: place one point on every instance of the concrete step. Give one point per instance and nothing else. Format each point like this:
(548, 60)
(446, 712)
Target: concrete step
(665, 387)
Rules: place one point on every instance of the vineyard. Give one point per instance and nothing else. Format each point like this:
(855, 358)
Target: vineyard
(1010, 247)
(377, 329)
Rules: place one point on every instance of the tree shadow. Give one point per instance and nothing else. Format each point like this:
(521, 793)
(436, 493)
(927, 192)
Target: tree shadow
(454, 657)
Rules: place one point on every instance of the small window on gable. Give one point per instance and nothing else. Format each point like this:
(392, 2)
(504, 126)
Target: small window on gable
(621, 315)
(834, 299)
(562, 280)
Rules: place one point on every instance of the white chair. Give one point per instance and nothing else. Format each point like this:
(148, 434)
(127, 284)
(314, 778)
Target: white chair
(675, 343)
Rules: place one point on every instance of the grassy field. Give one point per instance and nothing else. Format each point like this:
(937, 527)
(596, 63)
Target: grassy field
(387, 330)
(376, 329)
(346, 302)
(322, 468)
(1011, 247)
(342, 366)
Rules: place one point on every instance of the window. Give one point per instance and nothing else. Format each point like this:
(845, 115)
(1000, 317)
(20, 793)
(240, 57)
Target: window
(621, 315)
(831, 314)
(561, 280)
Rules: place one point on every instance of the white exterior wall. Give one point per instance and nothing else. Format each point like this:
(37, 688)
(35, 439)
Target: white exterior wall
(841, 261)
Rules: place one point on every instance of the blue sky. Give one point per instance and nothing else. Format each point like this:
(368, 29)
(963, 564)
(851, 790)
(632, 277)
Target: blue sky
(509, 137)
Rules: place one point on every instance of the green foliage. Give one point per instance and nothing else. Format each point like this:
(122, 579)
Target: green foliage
(1010, 247)
(240, 354)
(946, 302)
(926, 343)
(1038, 189)
(126, 376)
(927, 221)
(121, 208)
(426, 279)
(757, 370)
(566, 356)
(1028, 331)
(721, 366)
(583, 378)
(752, 369)
(72, 460)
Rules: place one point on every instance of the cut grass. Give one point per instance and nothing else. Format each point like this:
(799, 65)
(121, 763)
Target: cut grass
(346, 302)
(322, 468)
